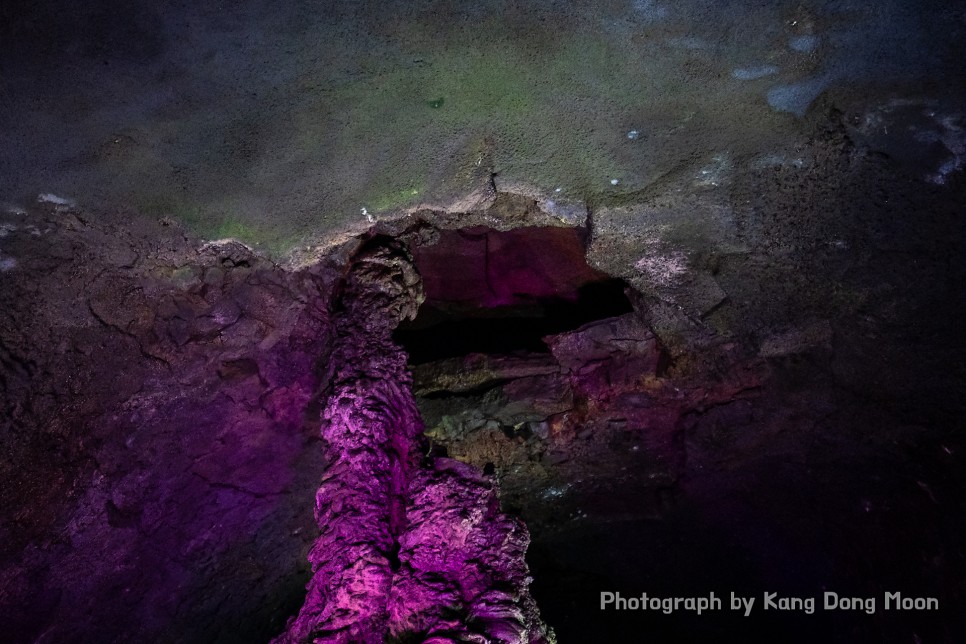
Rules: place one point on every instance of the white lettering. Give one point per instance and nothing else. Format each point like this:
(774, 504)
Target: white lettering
(895, 601)
(834, 602)
(742, 603)
(805, 604)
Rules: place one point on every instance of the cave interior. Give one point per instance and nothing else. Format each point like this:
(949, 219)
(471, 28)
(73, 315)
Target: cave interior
(508, 321)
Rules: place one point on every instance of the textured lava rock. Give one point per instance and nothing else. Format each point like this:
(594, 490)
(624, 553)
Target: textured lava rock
(156, 475)
(404, 550)
(477, 371)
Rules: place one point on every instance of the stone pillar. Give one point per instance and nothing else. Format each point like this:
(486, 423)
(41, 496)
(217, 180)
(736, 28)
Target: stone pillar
(410, 550)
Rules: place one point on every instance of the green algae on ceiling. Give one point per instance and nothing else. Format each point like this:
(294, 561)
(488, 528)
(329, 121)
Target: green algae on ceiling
(303, 119)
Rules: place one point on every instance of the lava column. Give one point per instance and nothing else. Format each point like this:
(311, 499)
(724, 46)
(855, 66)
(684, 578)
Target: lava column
(368, 427)
(407, 549)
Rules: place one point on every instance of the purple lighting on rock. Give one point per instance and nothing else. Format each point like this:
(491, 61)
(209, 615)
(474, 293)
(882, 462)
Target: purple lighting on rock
(506, 268)
(405, 548)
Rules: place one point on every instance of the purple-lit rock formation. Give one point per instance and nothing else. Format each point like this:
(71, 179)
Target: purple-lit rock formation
(157, 470)
(406, 549)
(761, 392)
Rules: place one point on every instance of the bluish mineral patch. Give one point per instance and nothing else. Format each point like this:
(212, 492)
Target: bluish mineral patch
(804, 44)
(752, 73)
(650, 11)
(796, 98)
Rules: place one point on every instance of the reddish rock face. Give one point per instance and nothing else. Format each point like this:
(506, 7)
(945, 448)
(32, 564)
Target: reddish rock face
(497, 292)
(484, 268)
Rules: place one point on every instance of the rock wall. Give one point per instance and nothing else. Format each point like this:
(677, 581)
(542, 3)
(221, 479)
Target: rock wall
(158, 457)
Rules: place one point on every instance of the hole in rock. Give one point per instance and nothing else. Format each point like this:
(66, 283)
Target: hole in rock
(501, 292)
(602, 455)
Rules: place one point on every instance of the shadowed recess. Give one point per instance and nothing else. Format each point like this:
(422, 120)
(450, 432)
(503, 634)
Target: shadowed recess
(500, 292)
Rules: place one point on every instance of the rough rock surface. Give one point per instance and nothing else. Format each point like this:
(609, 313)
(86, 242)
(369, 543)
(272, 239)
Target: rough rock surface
(157, 470)
(783, 410)
(406, 550)
(784, 414)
